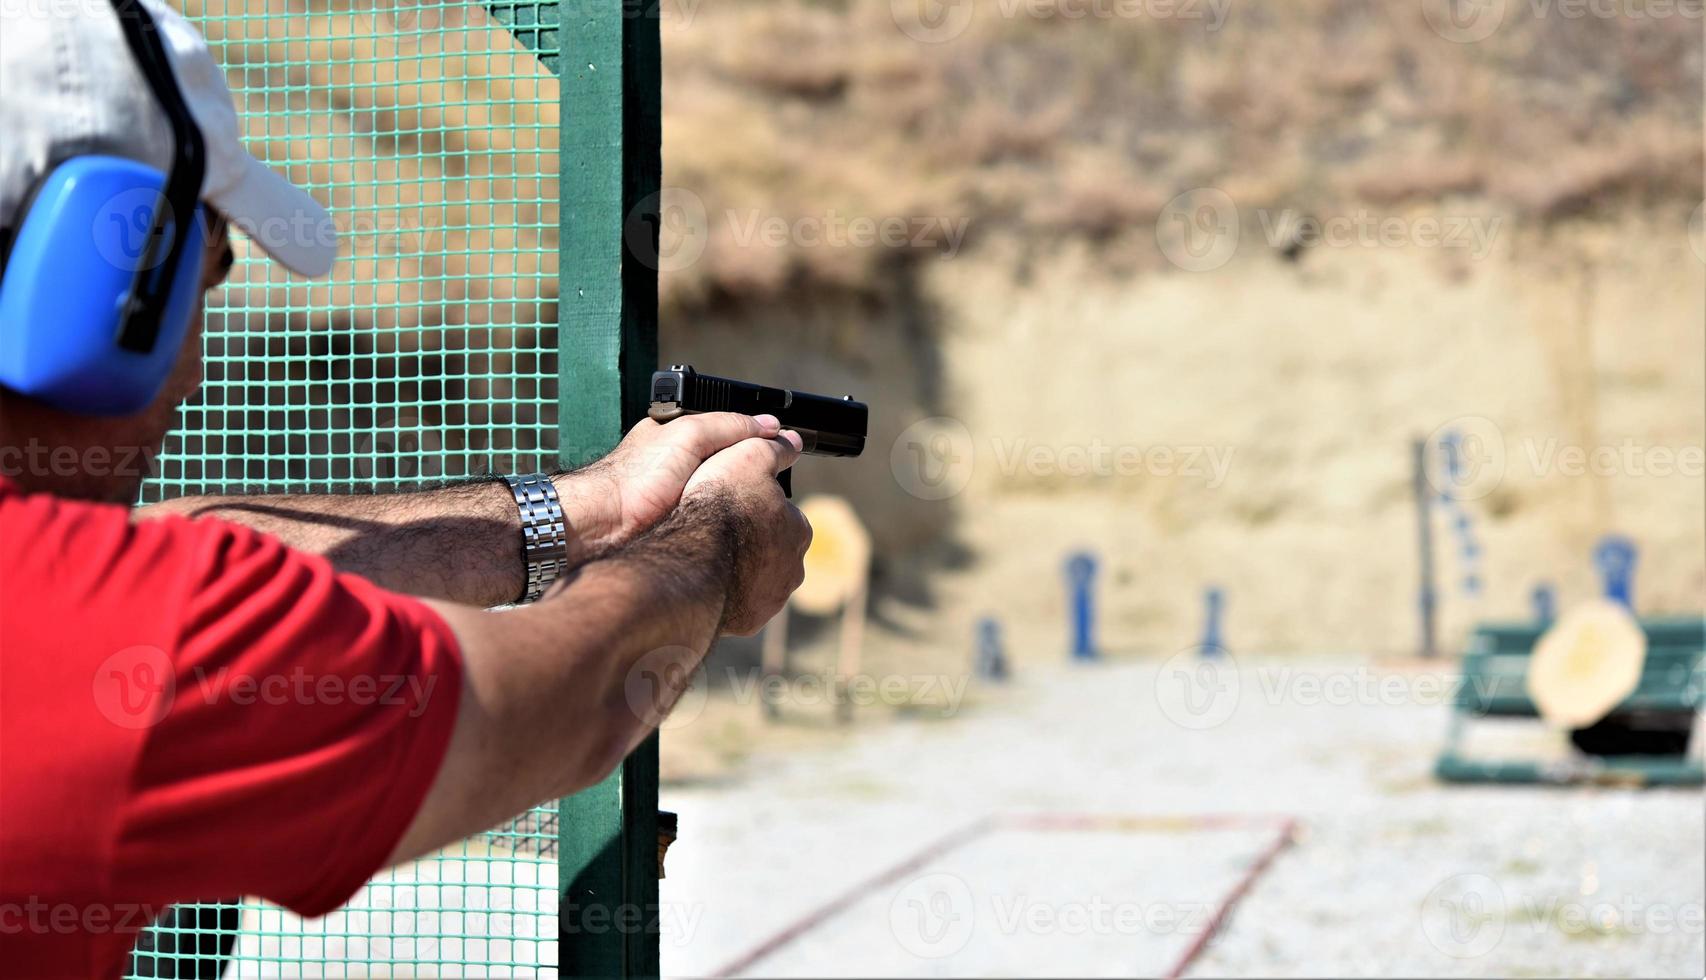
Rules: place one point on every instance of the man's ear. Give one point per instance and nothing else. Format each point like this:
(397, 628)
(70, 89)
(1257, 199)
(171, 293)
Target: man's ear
(218, 256)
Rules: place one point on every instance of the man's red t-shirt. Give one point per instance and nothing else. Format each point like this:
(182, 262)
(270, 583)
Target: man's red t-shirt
(189, 710)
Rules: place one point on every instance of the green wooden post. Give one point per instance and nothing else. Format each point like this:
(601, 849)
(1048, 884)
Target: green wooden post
(607, 320)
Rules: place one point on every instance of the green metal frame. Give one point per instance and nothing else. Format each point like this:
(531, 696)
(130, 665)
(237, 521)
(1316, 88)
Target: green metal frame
(1494, 683)
(607, 320)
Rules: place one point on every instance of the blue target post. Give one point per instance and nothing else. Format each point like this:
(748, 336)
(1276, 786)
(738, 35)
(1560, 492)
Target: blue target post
(1545, 603)
(1614, 556)
(1080, 578)
(1451, 443)
(1214, 601)
(1462, 525)
(991, 660)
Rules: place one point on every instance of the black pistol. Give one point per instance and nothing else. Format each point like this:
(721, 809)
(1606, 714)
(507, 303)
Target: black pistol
(827, 426)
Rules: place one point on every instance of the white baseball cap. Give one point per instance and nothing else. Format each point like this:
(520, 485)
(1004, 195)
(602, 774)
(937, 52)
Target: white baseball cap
(69, 86)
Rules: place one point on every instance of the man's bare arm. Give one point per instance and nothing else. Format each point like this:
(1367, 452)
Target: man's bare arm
(555, 694)
(463, 543)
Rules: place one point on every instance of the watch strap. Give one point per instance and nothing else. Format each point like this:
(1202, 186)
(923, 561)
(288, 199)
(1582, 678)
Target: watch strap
(544, 535)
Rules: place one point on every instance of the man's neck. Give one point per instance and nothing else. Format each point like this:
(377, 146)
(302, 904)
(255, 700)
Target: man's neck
(46, 451)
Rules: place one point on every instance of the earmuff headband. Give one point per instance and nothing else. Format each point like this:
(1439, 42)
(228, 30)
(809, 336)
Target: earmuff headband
(139, 323)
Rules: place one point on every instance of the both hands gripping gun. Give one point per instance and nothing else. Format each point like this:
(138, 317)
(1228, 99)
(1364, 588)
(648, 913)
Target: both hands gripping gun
(827, 426)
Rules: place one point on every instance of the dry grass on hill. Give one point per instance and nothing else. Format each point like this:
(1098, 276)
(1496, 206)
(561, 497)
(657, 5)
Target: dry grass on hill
(1052, 128)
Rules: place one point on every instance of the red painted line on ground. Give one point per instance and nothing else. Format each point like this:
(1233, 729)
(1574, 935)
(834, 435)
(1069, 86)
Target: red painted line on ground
(818, 916)
(1113, 823)
(1044, 822)
(1223, 912)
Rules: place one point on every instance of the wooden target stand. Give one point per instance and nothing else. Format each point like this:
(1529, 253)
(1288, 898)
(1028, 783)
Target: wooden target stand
(838, 571)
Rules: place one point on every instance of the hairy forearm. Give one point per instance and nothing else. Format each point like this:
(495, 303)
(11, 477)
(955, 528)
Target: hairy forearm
(557, 693)
(461, 543)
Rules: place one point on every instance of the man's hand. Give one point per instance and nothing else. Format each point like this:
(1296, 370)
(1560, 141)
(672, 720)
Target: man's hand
(638, 483)
(556, 693)
(769, 534)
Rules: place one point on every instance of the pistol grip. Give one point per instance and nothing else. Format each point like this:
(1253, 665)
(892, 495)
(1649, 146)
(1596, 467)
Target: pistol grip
(786, 478)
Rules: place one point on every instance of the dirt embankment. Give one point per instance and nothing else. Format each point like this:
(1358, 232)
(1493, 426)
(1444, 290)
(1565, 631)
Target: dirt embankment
(1250, 426)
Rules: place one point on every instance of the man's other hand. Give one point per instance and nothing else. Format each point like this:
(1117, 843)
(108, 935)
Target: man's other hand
(770, 534)
(638, 483)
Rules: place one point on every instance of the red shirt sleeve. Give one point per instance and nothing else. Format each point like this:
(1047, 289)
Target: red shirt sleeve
(191, 710)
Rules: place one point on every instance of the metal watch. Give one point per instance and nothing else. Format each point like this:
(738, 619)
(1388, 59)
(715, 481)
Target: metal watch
(544, 536)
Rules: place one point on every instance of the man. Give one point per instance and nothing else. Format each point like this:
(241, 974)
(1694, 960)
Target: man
(279, 696)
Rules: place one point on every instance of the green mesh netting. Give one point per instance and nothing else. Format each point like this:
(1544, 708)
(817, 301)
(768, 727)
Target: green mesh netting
(429, 354)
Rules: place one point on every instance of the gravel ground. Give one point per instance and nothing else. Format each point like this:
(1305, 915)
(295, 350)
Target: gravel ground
(1391, 873)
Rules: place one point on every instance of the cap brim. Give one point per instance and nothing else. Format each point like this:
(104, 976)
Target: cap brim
(283, 219)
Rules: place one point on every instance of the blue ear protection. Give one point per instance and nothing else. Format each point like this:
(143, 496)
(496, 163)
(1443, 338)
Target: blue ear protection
(99, 279)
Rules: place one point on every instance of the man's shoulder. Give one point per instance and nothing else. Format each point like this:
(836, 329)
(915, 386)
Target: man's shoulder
(92, 550)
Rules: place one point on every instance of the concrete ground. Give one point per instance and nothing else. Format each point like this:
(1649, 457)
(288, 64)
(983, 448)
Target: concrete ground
(1391, 874)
